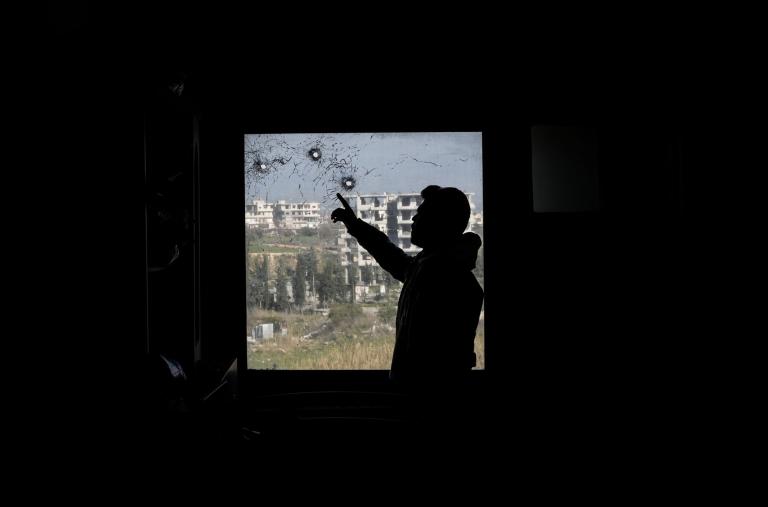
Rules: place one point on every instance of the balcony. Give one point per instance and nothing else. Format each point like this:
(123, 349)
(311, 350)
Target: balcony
(412, 205)
(370, 206)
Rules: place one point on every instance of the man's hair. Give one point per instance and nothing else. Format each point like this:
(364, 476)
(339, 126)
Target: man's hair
(452, 205)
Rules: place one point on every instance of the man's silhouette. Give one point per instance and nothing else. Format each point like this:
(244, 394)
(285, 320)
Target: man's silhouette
(440, 301)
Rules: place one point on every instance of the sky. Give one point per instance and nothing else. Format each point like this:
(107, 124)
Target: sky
(380, 162)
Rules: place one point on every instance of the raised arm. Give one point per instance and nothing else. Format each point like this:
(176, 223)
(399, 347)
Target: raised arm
(386, 253)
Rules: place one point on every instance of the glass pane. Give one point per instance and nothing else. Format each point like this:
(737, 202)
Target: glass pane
(317, 300)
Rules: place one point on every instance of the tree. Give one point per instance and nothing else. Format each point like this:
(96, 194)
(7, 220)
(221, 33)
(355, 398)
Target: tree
(330, 283)
(278, 215)
(299, 281)
(264, 282)
(257, 293)
(327, 233)
(281, 288)
(252, 293)
(253, 238)
(311, 268)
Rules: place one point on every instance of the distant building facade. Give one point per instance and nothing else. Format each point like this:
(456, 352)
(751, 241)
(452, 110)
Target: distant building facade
(282, 215)
(391, 213)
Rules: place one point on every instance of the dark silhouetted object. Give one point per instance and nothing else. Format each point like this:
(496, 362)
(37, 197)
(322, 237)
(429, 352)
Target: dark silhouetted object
(440, 302)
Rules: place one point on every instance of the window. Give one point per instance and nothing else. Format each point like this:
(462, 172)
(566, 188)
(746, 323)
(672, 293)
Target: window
(328, 295)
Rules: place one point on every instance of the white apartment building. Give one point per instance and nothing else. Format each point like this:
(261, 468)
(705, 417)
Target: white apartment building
(297, 215)
(259, 215)
(282, 215)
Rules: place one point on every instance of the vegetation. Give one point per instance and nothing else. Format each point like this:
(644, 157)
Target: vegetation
(295, 281)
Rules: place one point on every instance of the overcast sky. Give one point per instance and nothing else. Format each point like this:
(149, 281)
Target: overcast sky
(382, 162)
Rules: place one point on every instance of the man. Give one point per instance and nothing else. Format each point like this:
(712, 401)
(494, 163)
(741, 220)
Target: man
(440, 301)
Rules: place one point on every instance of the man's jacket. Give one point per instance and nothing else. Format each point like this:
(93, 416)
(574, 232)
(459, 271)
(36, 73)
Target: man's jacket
(439, 306)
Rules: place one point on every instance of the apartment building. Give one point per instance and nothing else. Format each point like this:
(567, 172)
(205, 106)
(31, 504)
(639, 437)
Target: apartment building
(282, 215)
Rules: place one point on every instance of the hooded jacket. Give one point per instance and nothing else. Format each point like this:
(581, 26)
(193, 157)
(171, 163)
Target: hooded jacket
(439, 306)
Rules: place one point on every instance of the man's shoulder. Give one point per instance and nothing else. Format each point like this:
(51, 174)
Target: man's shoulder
(443, 272)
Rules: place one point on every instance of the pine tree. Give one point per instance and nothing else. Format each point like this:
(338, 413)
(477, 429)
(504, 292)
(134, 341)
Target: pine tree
(312, 269)
(281, 289)
(299, 280)
(264, 282)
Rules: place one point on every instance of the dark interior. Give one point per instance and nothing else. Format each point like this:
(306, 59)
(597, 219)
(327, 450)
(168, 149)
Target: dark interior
(592, 329)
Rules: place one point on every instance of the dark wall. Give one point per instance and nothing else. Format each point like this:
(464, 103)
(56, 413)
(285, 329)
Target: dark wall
(595, 337)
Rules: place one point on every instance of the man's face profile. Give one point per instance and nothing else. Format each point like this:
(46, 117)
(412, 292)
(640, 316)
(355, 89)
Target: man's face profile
(421, 224)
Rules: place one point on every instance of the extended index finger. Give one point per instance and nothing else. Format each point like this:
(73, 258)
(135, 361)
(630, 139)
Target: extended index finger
(343, 202)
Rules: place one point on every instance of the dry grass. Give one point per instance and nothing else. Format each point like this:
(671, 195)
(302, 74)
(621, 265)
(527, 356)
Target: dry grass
(363, 344)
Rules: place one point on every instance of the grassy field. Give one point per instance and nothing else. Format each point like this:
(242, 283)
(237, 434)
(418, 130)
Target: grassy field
(348, 339)
(339, 342)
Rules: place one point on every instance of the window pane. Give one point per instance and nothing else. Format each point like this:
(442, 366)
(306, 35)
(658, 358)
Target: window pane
(315, 298)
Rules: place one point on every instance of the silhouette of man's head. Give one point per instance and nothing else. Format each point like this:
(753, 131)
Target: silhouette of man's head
(442, 216)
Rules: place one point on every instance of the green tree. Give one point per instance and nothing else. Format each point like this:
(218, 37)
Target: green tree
(264, 282)
(278, 215)
(257, 293)
(253, 240)
(330, 283)
(327, 233)
(281, 286)
(252, 293)
(299, 281)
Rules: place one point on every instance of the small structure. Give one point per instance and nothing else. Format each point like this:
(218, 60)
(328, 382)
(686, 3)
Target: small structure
(261, 332)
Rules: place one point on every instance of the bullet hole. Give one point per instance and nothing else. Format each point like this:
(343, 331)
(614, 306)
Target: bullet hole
(348, 182)
(260, 167)
(315, 154)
